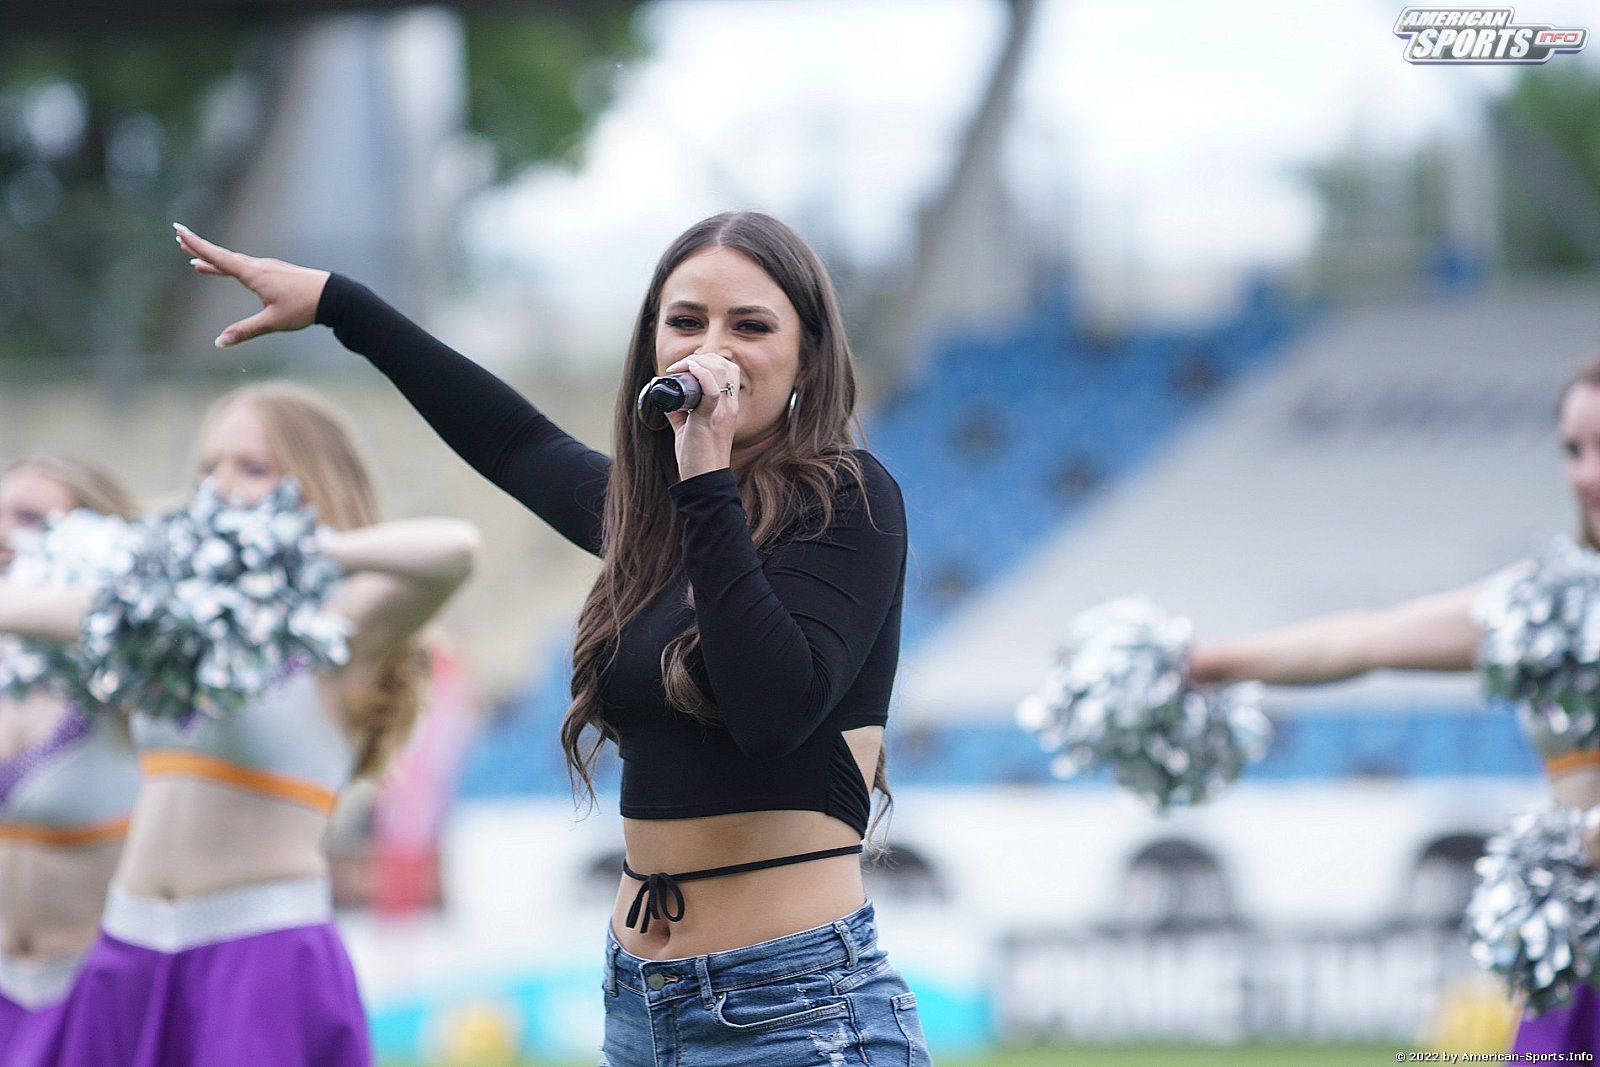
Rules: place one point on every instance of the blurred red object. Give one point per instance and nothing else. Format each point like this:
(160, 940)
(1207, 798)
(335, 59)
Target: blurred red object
(409, 815)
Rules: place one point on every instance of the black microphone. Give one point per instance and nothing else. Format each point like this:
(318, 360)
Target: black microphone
(670, 392)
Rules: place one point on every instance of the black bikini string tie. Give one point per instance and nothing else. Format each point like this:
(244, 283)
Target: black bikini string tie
(650, 902)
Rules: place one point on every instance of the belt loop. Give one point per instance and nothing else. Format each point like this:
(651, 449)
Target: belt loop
(610, 982)
(702, 970)
(842, 928)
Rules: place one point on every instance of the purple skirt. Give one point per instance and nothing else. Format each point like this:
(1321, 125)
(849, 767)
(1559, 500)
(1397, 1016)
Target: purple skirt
(1573, 1027)
(29, 1038)
(33, 1003)
(286, 998)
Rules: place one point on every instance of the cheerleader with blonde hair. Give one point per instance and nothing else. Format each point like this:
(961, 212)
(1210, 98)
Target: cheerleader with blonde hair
(217, 945)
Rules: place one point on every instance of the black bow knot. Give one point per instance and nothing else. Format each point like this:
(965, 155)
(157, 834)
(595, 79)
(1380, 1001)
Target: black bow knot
(658, 898)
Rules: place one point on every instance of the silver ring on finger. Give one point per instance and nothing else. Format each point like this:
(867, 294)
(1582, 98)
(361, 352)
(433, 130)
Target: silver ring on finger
(726, 390)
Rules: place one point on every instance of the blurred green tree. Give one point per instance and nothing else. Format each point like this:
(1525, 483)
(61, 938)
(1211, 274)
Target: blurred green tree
(535, 81)
(1548, 127)
(1416, 213)
(98, 139)
(105, 139)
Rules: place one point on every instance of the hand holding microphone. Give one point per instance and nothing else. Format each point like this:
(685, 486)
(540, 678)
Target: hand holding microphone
(678, 390)
(697, 398)
(669, 392)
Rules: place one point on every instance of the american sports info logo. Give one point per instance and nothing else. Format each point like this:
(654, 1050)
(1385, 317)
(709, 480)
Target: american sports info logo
(1481, 35)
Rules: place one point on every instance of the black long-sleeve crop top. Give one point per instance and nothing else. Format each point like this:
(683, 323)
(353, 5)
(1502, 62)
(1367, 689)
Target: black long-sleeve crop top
(796, 647)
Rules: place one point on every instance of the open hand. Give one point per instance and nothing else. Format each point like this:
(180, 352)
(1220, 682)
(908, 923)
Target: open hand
(288, 293)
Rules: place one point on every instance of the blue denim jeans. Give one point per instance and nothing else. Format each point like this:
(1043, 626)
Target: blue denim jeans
(824, 996)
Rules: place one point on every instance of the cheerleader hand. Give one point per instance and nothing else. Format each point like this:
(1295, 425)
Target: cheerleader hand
(288, 293)
(1591, 837)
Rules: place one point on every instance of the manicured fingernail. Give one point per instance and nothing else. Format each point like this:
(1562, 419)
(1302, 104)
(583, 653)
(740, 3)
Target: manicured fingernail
(223, 340)
(194, 262)
(180, 227)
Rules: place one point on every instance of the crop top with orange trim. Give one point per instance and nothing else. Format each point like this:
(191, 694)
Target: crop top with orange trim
(1560, 754)
(797, 646)
(283, 744)
(75, 786)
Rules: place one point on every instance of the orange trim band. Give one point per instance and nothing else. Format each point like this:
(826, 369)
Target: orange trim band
(1572, 761)
(199, 765)
(66, 836)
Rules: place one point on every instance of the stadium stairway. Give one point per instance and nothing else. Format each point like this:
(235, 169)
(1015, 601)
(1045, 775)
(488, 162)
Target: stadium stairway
(1006, 435)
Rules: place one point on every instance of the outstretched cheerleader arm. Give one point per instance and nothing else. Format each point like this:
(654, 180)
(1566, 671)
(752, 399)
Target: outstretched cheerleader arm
(401, 573)
(1431, 633)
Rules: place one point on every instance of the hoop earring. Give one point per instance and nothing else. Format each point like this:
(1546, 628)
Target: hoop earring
(794, 401)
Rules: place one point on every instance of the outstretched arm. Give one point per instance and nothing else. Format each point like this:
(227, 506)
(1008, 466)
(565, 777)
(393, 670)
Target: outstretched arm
(487, 423)
(1431, 633)
(401, 574)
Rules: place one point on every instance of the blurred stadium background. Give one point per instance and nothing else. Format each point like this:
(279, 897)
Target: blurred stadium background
(1223, 303)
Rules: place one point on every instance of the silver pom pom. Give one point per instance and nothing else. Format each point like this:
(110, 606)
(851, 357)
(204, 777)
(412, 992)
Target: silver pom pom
(29, 665)
(1541, 646)
(1534, 918)
(219, 601)
(81, 548)
(1119, 697)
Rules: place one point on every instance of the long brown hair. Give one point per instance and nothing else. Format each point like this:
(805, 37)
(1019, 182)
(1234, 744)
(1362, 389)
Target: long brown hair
(1587, 374)
(789, 485)
(315, 442)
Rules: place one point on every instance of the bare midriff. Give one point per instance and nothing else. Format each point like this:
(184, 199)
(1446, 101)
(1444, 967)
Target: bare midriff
(735, 910)
(192, 836)
(51, 896)
(1576, 787)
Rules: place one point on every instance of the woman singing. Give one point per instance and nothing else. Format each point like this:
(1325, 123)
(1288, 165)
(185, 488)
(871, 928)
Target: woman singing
(739, 646)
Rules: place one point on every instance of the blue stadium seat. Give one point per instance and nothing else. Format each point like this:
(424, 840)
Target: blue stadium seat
(1050, 413)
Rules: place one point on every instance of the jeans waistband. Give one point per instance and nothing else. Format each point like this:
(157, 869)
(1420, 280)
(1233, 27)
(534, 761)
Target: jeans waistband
(837, 944)
(175, 925)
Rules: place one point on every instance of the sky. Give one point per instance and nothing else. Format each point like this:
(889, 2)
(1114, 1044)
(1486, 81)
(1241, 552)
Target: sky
(1158, 138)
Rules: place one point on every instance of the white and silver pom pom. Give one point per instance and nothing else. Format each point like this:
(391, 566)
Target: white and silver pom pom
(29, 665)
(78, 549)
(1534, 918)
(1119, 697)
(1541, 646)
(221, 599)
